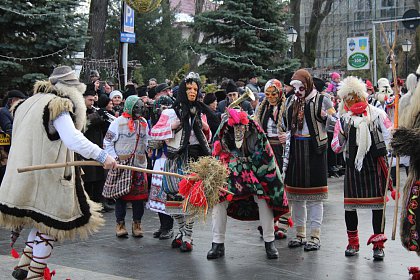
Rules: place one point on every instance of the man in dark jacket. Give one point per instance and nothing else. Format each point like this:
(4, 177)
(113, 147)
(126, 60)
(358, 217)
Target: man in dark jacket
(94, 176)
(231, 95)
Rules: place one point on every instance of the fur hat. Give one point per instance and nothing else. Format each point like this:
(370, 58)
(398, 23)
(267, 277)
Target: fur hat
(64, 75)
(231, 87)
(352, 84)
(209, 98)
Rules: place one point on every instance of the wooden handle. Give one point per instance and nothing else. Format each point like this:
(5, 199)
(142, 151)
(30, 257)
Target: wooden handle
(397, 194)
(95, 163)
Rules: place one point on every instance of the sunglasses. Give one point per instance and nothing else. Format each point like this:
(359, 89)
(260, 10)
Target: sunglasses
(271, 94)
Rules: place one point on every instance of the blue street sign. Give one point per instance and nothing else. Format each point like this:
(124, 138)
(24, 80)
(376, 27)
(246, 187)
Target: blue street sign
(127, 37)
(128, 19)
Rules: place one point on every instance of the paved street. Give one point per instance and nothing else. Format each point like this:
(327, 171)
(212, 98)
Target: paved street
(104, 256)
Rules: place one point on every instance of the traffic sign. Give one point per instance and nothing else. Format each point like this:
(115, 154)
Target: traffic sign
(411, 24)
(127, 37)
(128, 19)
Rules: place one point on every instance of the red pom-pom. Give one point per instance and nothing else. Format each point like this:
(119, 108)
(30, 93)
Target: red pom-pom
(290, 222)
(415, 272)
(229, 197)
(48, 274)
(14, 253)
(393, 194)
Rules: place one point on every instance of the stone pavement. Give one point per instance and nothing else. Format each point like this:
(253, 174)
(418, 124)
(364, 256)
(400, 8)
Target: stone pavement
(105, 257)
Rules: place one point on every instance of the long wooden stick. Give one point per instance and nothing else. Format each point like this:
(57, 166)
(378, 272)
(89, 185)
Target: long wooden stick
(386, 193)
(95, 163)
(396, 107)
(397, 194)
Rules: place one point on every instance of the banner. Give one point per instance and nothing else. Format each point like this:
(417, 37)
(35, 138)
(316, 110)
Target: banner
(358, 53)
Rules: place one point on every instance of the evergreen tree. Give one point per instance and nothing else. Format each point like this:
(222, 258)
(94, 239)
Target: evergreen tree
(243, 37)
(159, 46)
(35, 37)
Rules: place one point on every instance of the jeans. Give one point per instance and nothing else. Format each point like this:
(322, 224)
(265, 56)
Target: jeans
(121, 209)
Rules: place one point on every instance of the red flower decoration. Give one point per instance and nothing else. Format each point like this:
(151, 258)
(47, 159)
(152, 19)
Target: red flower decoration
(243, 118)
(229, 197)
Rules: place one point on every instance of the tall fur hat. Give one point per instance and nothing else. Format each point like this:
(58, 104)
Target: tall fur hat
(352, 84)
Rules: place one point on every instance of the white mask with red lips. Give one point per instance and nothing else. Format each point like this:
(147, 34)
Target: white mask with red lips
(298, 88)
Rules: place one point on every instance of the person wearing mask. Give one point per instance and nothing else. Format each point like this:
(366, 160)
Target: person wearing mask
(126, 140)
(52, 203)
(362, 134)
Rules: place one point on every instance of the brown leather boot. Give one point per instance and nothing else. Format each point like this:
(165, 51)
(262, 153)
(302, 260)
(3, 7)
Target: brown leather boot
(120, 230)
(136, 229)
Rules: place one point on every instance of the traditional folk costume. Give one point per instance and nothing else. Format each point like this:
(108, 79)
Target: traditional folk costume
(187, 135)
(269, 116)
(126, 140)
(157, 196)
(52, 202)
(306, 176)
(254, 178)
(362, 134)
(406, 141)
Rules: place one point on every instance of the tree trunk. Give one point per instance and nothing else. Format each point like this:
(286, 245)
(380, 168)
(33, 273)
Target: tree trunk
(320, 9)
(295, 10)
(195, 35)
(98, 14)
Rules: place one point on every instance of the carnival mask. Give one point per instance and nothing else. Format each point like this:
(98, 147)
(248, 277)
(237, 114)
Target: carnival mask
(273, 91)
(299, 88)
(356, 104)
(192, 91)
(137, 111)
(239, 121)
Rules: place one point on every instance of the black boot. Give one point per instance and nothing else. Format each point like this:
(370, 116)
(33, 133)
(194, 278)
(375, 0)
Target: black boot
(271, 250)
(378, 254)
(20, 274)
(217, 250)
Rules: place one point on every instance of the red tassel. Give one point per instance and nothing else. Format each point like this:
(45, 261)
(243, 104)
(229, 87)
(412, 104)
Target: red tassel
(48, 274)
(393, 193)
(14, 253)
(290, 222)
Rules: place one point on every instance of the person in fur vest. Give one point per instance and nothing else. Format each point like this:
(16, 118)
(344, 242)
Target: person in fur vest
(362, 135)
(406, 141)
(269, 116)
(52, 202)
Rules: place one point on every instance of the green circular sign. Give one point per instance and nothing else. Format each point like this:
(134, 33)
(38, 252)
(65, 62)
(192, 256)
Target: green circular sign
(358, 60)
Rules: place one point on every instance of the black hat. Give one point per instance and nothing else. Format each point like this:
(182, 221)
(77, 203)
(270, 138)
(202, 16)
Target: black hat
(231, 87)
(161, 87)
(16, 93)
(220, 95)
(287, 78)
(103, 101)
(94, 73)
(209, 98)
(252, 75)
(90, 90)
(142, 91)
(319, 84)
